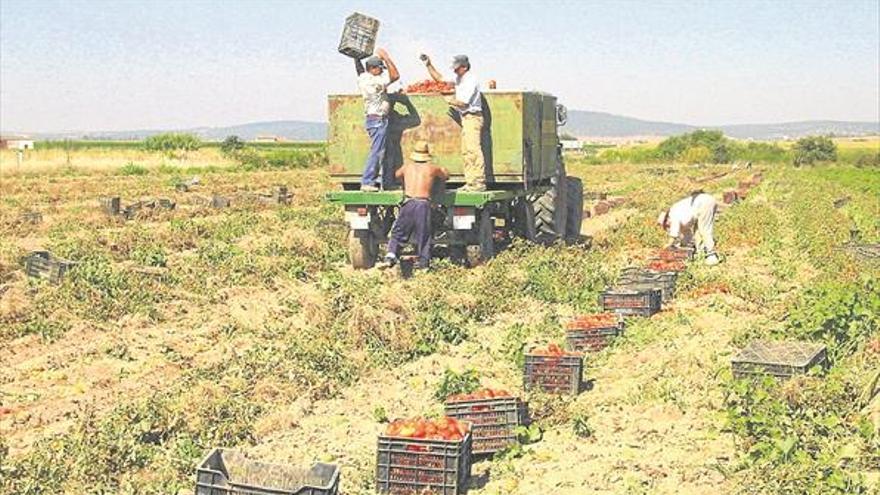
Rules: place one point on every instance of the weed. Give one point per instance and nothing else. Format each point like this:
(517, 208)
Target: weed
(457, 383)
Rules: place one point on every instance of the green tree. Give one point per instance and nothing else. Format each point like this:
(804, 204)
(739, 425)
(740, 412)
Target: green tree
(173, 144)
(677, 147)
(812, 149)
(231, 145)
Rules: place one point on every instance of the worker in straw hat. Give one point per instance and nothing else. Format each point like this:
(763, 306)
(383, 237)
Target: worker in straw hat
(468, 101)
(692, 219)
(373, 83)
(414, 218)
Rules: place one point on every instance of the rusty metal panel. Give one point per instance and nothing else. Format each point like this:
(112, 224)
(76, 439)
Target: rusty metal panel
(511, 119)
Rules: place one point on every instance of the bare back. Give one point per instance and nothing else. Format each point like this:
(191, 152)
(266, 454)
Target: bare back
(418, 178)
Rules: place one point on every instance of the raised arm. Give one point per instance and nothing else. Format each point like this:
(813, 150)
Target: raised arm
(435, 74)
(393, 73)
(359, 66)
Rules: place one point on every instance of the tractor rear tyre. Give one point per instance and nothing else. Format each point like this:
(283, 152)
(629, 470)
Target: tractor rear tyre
(550, 212)
(574, 204)
(363, 248)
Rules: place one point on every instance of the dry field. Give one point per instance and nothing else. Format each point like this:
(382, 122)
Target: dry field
(197, 327)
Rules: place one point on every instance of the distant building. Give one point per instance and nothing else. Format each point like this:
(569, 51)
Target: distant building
(268, 139)
(16, 143)
(572, 144)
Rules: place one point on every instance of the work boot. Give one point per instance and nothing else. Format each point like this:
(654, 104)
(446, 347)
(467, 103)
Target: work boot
(369, 188)
(387, 262)
(712, 260)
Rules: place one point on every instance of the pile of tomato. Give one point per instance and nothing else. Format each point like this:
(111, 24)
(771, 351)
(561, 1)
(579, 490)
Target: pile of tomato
(430, 86)
(486, 393)
(666, 266)
(552, 350)
(672, 254)
(445, 428)
(596, 320)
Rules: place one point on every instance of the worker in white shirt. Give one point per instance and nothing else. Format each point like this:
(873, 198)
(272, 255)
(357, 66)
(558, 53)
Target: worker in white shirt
(468, 102)
(692, 220)
(373, 83)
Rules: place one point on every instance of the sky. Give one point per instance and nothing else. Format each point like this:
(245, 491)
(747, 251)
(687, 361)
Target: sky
(162, 64)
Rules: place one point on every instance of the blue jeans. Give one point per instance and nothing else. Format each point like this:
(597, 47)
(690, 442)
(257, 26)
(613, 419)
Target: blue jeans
(413, 223)
(377, 129)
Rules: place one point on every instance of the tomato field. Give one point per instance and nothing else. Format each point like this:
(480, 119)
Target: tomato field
(197, 327)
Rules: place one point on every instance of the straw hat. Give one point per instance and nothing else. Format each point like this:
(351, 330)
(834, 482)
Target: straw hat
(420, 152)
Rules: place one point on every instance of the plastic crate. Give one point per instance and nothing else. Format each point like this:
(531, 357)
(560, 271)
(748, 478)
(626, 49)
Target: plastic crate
(627, 302)
(417, 466)
(591, 339)
(493, 421)
(33, 217)
(111, 205)
(782, 359)
(42, 264)
(642, 280)
(554, 374)
(213, 477)
(358, 36)
(219, 202)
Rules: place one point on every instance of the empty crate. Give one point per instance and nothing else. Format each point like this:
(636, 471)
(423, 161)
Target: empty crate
(225, 472)
(631, 302)
(421, 466)
(358, 36)
(554, 374)
(493, 421)
(42, 264)
(781, 359)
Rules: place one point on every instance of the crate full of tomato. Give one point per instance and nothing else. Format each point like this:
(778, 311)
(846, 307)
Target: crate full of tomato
(494, 416)
(631, 302)
(430, 456)
(553, 370)
(592, 332)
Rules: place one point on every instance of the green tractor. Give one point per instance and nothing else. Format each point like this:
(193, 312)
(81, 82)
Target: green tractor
(528, 192)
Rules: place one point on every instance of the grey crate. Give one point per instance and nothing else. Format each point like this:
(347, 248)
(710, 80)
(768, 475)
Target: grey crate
(358, 36)
(213, 477)
(554, 374)
(219, 202)
(134, 209)
(782, 359)
(42, 264)
(631, 302)
(111, 205)
(591, 339)
(637, 279)
(280, 195)
(417, 466)
(32, 217)
(494, 421)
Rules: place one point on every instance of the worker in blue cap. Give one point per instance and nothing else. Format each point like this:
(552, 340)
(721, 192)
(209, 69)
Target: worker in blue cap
(468, 101)
(373, 83)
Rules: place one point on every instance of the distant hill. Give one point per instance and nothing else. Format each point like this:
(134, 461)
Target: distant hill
(599, 124)
(580, 123)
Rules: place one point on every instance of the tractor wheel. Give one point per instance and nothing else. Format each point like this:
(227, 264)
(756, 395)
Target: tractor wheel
(574, 204)
(550, 212)
(363, 248)
(485, 250)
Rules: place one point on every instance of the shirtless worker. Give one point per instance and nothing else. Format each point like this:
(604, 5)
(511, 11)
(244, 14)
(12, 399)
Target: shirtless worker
(692, 218)
(414, 217)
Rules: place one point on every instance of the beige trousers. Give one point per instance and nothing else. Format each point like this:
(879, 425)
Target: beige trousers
(472, 152)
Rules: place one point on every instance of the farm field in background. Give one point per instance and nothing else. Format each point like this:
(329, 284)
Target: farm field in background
(244, 327)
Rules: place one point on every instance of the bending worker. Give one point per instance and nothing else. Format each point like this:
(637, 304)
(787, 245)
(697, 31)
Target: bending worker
(414, 219)
(373, 83)
(692, 219)
(468, 102)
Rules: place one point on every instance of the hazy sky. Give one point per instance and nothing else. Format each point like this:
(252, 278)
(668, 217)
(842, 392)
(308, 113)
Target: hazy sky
(129, 64)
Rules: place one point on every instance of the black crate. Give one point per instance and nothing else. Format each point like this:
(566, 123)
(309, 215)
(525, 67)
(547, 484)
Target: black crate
(631, 302)
(33, 217)
(636, 279)
(213, 477)
(781, 359)
(219, 202)
(358, 36)
(42, 264)
(417, 466)
(493, 421)
(591, 339)
(111, 205)
(554, 374)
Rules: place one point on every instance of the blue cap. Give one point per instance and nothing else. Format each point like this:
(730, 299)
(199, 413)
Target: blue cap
(374, 61)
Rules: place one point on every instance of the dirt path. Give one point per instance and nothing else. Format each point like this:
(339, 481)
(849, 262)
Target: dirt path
(655, 411)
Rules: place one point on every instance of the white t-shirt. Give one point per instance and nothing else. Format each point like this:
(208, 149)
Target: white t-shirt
(467, 90)
(684, 213)
(374, 89)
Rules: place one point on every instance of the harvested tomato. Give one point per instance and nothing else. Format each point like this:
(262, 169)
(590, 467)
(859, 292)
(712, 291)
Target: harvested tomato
(430, 86)
(666, 266)
(485, 393)
(431, 429)
(552, 350)
(597, 320)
